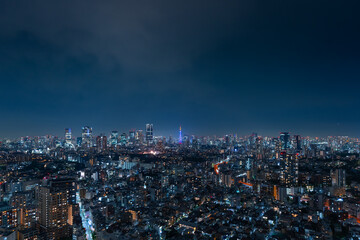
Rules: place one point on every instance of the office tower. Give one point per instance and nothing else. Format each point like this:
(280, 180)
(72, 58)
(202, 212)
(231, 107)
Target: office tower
(289, 169)
(123, 139)
(338, 178)
(139, 136)
(101, 143)
(285, 140)
(86, 136)
(68, 135)
(55, 209)
(297, 143)
(149, 133)
(114, 138)
(132, 135)
(180, 136)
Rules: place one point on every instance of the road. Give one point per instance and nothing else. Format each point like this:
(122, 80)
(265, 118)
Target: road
(86, 221)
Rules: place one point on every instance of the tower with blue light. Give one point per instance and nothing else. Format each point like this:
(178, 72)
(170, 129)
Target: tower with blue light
(180, 136)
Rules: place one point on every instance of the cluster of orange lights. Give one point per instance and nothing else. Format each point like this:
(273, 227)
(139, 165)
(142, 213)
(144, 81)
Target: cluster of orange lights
(357, 219)
(216, 169)
(247, 184)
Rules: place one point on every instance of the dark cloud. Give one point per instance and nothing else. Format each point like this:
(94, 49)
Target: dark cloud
(213, 66)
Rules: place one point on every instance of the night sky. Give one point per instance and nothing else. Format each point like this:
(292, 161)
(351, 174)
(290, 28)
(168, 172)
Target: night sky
(215, 67)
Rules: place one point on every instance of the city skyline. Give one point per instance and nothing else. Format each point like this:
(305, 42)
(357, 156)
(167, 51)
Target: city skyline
(175, 134)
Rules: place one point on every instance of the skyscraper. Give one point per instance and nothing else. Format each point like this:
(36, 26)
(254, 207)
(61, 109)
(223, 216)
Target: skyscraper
(132, 136)
(123, 139)
(297, 143)
(338, 178)
(285, 140)
(139, 136)
(68, 135)
(55, 209)
(114, 138)
(149, 133)
(86, 136)
(101, 143)
(289, 169)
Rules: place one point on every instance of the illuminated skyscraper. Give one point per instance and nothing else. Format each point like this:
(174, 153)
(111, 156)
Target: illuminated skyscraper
(297, 143)
(86, 136)
(149, 133)
(68, 135)
(289, 169)
(123, 139)
(285, 140)
(101, 143)
(132, 135)
(338, 178)
(139, 136)
(55, 209)
(114, 138)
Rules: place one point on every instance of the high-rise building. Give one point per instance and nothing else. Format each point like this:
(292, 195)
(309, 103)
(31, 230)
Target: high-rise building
(86, 136)
(139, 136)
(101, 143)
(23, 202)
(114, 138)
(68, 135)
(285, 140)
(132, 135)
(338, 178)
(297, 143)
(149, 133)
(289, 169)
(55, 209)
(123, 139)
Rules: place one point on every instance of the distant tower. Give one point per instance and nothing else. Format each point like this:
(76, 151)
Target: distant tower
(123, 139)
(297, 143)
(149, 133)
(101, 143)
(139, 136)
(114, 138)
(86, 135)
(180, 136)
(132, 136)
(285, 140)
(68, 135)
